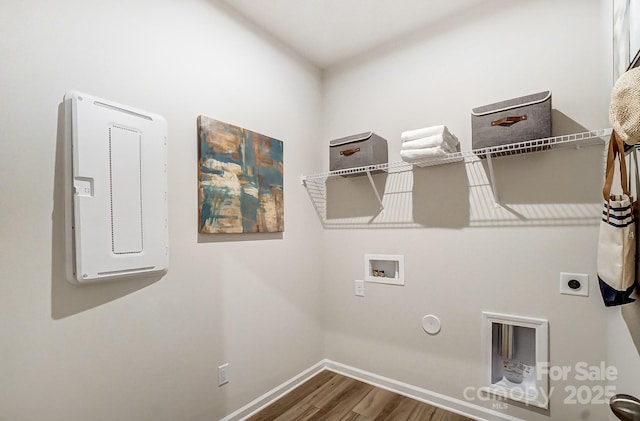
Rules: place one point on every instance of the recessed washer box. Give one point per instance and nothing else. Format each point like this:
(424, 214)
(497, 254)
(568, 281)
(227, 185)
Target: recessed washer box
(116, 190)
(384, 268)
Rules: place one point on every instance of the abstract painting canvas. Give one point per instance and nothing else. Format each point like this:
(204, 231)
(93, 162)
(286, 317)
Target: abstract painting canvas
(240, 180)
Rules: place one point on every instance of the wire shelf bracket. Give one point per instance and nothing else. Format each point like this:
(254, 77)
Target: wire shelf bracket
(375, 190)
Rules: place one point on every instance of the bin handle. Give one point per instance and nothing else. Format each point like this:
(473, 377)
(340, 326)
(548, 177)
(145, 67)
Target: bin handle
(348, 152)
(509, 121)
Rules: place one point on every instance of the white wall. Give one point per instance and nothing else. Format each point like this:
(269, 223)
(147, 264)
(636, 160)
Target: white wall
(468, 257)
(143, 350)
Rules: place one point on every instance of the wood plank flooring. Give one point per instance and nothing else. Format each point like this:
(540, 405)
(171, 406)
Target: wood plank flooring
(333, 397)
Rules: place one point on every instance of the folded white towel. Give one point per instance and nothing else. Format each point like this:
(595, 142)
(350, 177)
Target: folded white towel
(447, 142)
(416, 155)
(424, 132)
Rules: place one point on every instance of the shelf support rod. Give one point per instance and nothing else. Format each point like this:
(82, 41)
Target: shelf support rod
(375, 190)
(492, 178)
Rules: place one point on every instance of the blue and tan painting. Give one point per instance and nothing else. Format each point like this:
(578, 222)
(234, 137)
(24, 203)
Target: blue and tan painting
(241, 179)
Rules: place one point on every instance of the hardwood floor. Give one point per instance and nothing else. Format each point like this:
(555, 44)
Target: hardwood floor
(331, 396)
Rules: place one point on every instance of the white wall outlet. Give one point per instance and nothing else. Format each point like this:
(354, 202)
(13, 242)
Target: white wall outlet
(359, 288)
(574, 284)
(223, 374)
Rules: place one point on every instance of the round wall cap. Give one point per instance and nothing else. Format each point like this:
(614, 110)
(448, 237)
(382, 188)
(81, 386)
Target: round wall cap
(431, 324)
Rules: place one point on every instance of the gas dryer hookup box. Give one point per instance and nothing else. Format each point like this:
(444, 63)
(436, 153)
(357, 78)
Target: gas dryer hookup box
(116, 191)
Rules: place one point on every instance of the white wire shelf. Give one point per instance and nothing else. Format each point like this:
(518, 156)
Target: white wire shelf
(572, 140)
(316, 185)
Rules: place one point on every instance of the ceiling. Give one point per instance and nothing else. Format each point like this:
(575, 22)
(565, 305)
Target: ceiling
(327, 32)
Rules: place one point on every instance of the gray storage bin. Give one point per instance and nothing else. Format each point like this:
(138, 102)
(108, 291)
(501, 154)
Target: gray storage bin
(358, 150)
(512, 121)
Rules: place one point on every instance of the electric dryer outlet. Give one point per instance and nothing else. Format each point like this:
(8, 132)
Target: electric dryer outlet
(574, 284)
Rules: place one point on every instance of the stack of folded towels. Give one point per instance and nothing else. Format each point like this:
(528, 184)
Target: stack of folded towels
(429, 142)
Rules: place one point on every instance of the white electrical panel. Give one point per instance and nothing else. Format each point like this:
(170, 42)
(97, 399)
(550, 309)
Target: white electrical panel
(116, 211)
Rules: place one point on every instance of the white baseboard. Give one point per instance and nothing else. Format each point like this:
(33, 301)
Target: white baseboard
(454, 405)
(275, 393)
